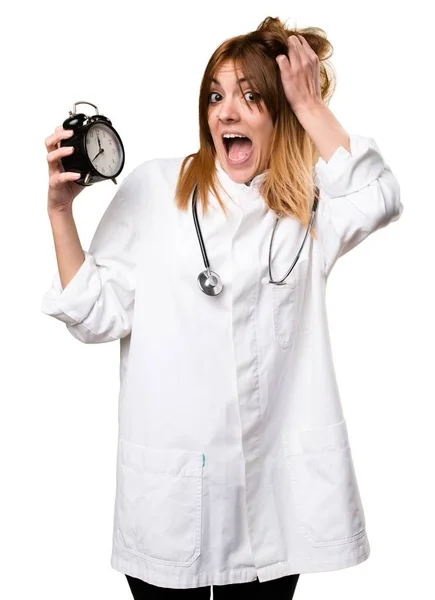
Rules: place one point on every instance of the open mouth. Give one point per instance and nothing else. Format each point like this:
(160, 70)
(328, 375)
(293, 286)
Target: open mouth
(238, 149)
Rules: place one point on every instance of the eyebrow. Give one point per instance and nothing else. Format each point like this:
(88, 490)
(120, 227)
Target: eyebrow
(242, 80)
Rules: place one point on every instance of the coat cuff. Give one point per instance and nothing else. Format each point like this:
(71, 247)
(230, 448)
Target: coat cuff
(346, 173)
(73, 304)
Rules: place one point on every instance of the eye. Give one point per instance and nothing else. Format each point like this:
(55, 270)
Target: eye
(255, 96)
(210, 97)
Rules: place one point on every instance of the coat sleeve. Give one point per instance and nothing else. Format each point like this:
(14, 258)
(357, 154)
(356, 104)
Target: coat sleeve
(97, 304)
(358, 195)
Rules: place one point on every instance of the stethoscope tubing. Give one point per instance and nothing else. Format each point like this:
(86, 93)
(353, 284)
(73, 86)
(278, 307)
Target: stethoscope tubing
(212, 276)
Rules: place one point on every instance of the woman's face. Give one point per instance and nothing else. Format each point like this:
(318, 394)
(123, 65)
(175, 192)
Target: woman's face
(228, 113)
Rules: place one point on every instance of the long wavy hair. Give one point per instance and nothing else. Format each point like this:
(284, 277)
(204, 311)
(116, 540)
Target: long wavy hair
(289, 186)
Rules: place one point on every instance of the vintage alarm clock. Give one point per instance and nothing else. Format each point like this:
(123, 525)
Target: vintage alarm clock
(98, 149)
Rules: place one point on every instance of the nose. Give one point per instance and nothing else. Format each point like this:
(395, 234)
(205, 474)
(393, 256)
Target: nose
(229, 110)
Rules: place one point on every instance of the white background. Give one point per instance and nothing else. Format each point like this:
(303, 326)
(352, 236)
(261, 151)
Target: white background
(141, 64)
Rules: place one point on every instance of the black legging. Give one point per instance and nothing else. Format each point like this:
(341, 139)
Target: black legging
(278, 589)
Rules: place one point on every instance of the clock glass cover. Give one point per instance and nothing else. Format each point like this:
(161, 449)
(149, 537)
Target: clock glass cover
(104, 150)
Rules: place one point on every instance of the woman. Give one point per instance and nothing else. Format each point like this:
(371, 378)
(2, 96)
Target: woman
(234, 468)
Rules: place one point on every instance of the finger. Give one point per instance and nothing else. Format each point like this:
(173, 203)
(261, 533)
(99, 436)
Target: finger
(57, 180)
(296, 43)
(53, 157)
(304, 52)
(307, 47)
(284, 65)
(58, 128)
(53, 140)
(295, 48)
(282, 59)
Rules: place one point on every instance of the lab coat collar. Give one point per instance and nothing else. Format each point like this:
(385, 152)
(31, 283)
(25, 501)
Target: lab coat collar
(234, 187)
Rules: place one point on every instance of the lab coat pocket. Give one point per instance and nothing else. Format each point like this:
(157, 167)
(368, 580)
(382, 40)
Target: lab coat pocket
(324, 487)
(159, 503)
(289, 315)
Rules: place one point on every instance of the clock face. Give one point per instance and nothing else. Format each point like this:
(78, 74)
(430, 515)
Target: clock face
(104, 150)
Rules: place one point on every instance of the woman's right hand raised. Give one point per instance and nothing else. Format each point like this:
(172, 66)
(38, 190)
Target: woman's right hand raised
(62, 189)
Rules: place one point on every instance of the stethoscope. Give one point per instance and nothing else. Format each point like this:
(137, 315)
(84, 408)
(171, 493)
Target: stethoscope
(210, 282)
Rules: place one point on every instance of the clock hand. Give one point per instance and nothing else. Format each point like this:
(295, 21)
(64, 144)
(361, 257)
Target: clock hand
(98, 154)
(99, 144)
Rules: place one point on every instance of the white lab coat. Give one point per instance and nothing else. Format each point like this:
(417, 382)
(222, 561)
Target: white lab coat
(233, 454)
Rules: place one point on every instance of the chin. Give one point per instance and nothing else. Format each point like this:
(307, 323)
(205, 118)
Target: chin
(241, 178)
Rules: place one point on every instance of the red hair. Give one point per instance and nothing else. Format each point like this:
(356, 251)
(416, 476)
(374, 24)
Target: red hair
(289, 187)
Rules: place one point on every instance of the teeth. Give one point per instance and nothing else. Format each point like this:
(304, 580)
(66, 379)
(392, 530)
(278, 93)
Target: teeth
(233, 135)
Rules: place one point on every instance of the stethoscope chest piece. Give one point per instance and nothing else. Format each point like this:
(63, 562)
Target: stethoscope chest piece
(210, 282)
